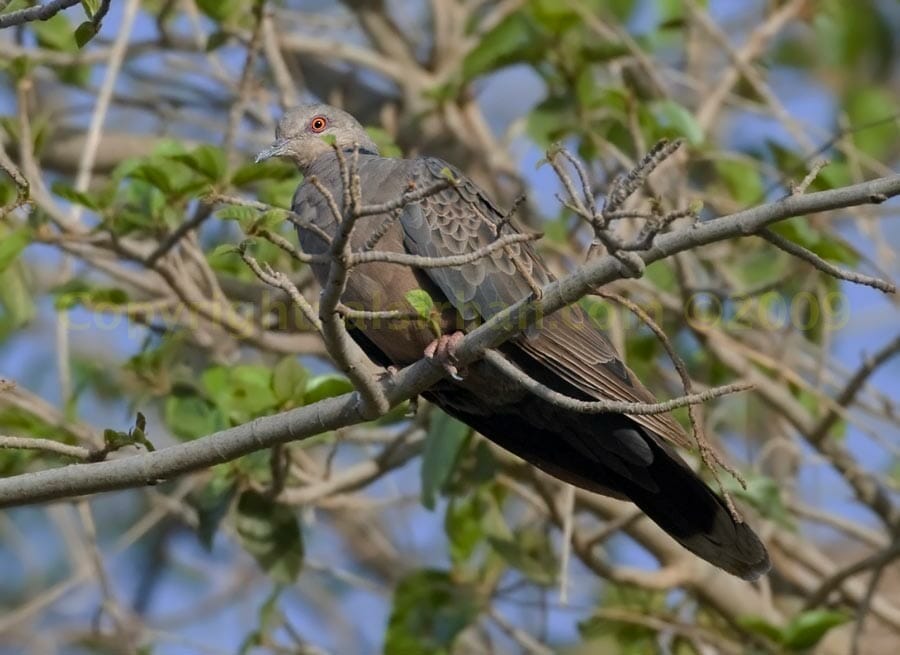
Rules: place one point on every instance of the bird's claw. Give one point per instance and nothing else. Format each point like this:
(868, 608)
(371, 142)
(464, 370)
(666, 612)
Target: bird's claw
(387, 376)
(441, 352)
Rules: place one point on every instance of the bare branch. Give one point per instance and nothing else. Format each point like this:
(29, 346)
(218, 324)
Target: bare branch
(414, 194)
(624, 187)
(45, 445)
(419, 261)
(281, 281)
(826, 267)
(606, 406)
(708, 454)
(37, 12)
(348, 356)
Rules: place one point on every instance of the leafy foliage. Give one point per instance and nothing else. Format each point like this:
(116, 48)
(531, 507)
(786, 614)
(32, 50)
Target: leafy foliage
(270, 533)
(430, 610)
(801, 633)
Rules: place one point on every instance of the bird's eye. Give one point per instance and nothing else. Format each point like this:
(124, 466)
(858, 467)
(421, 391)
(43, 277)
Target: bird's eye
(318, 124)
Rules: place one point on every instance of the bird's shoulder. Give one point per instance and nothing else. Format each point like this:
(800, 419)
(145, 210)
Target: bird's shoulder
(463, 190)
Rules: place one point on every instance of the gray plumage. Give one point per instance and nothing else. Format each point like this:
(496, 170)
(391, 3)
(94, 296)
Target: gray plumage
(622, 456)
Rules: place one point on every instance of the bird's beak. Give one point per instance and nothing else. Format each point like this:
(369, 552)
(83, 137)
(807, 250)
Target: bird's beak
(275, 150)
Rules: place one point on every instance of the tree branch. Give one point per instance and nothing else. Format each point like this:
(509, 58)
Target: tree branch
(332, 413)
(38, 12)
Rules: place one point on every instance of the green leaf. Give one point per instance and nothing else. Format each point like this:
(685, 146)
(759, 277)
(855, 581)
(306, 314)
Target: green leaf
(326, 386)
(289, 379)
(211, 503)
(512, 39)
(463, 526)
(764, 494)
(238, 213)
(216, 40)
(222, 250)
(76, 75)
(17, 301)
(270, 169)
(90, 7)
(853, 37)
(827, 246)
(873, 117)
(278, 193)
(157, 174)
(84, 33)
(115, 439)
(443, 443)
(190, 417)
(421, 302)
(429, 612)
(742, 179)
(530, 552)
(12, 245)
(55, 33)
(384, 141)
(20, 66)
(220, 10)
(78, 292)
(676, 116)
(241, 392)
(759, 626)
(551, 120)
(270, 533)
(206, 160)
(71, 194)
(806, 629)
(448, 175)
(268, 220)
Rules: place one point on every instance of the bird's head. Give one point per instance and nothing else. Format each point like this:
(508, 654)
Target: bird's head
(303, 134)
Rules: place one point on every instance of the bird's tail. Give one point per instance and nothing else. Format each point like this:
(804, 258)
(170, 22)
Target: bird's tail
(697, 518)
(619, 458)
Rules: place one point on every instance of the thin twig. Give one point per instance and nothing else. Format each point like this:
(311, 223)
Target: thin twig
(625, 186)
(826, 267)
(836, 579)
(708, 454)
(814, 170)
(862, 611)
(45, 445)
(568, 510)
(606, 406)
(407, 198)
(281, 281)
(419, 261)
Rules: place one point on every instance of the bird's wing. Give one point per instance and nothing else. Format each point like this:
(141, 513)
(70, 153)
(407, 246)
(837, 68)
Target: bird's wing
(566, 345)
(459, 220)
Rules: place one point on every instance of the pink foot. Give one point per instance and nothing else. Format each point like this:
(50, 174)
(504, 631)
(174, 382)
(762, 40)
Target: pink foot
(441, 351)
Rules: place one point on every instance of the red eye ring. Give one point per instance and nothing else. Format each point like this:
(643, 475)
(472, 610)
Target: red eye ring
(318, 124)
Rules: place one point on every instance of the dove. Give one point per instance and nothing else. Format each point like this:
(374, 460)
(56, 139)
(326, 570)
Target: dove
(627, 457)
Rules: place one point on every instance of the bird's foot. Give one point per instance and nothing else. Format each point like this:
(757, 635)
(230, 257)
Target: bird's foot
(441, 352)
(388, 376)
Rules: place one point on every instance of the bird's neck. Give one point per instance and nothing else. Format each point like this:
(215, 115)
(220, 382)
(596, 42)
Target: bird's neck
(325, 160)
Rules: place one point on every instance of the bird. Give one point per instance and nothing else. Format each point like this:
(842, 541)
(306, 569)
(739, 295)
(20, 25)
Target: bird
(626, 457)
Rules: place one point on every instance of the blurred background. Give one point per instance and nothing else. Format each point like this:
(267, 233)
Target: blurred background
(412, 535)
